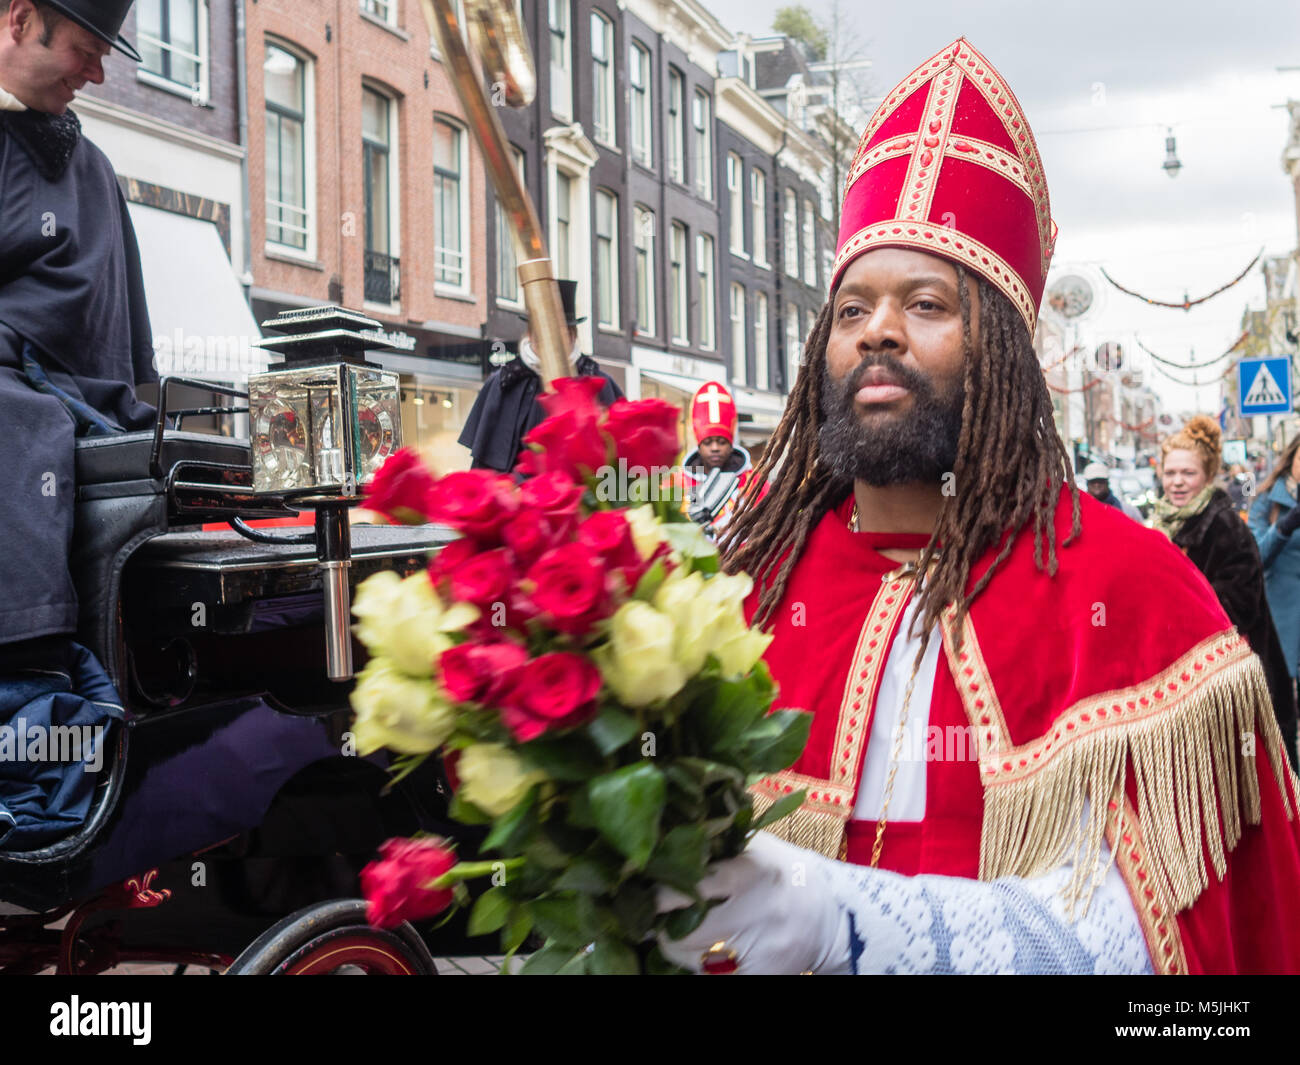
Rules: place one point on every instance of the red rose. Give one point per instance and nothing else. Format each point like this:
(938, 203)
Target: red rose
(477, 502)
(531, 533)
(483, 579)
(400, 488)
(557, 690)
(644, 432)
(480, 672)
(451, 557)
(570, 444)
(397, 886)
(608, 535)
(569, 590)
(577, 394)
(551, 493)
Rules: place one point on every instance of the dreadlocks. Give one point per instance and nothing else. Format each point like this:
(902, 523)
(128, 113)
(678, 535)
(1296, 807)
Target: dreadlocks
(1009, 470)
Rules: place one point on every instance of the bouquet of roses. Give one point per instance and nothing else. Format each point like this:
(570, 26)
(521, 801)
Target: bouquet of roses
(589, 677)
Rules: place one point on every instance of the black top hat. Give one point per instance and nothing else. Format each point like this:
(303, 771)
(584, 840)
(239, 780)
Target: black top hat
(569, 298)
(103, 18)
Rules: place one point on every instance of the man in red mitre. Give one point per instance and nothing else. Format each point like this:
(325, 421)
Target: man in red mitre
(1038, 744)
(716, 471)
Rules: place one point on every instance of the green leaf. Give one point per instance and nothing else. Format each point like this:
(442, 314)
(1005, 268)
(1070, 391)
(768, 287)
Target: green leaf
(588, 875)
(680, 778)
(613, 958)
(611, 730)
(557, 919)
(627, 805)
(548, 961)
(513, 826)
(650, 581)
(783, 807)
(467, 813)
(680, 859)
(707, 564)
(657, 965)
(635, 908)
(683, 922)
(580, 815)
(776, 741)
(689, 540)
(490, 912)
(575, 966)
(707, 772)
(569, 758)
(543, 851)
(516, 930)
(721, 716)
(595, 920)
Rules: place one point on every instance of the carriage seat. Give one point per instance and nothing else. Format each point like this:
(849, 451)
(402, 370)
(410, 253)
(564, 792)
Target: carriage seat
(102, 460)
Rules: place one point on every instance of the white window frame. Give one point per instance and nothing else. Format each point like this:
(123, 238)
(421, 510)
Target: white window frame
(198, 93)
(706, 274)
(676, 133)
(739, 346)
(459, 7)
(394, 193)
(604, 126)
(809, 244)
(611, 293)
(643, 267)
(792, 346)
(383, 10)
(736, 204)
(790, 232)
(506, 239)
(448, 288)
(679, 311)
(758, 214)
(564, 266)
(562, 73)
(308, 210)
(702, 137)
(642, 108)
(762, 348)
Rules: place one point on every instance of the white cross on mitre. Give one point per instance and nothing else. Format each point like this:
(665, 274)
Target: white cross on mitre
(714, 399)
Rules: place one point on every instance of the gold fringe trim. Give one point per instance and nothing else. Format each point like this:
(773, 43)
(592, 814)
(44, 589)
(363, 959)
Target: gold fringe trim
(814, 829)
(1193, 760)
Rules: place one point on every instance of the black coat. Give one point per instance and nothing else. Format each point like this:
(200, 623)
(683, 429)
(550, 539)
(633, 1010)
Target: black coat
(1221, 546)
(506, 409)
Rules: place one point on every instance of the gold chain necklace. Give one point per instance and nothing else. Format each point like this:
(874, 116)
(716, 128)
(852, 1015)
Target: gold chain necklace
(909, 570)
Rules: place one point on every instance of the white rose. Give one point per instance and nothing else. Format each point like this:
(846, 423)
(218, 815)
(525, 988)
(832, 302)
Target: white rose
(406, 622)
(406, 714)
(493, 778)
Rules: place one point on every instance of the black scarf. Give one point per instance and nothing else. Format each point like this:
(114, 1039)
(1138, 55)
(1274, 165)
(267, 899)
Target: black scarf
(48, 139)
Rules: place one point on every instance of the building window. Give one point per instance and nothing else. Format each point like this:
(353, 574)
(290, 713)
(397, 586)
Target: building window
(677, 127)
(761, 354)
(561, 59)
(381, 264)
(384, 10)
(606, 259)
(791, 346)
(702, 145)
(736, 202)
(288, 218)
(790, 233)
(173, 39)
(681, 333)
(644, 221)
(450, 207)
(809, 244)
(507, 255)
(758, 209)
(602, 78)
(739, 356)
(563, 225)
(641, 79)
(704, 275)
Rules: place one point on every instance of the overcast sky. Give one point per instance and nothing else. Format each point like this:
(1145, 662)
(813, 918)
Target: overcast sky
(1099, 82)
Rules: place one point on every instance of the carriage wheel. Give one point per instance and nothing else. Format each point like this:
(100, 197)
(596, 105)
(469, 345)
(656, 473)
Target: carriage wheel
(334, 938)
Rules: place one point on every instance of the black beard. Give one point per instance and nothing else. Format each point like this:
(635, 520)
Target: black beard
(919, 445)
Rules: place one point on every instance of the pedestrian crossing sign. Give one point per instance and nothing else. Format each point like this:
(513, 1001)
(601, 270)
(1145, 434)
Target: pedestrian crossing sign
(1264, 385)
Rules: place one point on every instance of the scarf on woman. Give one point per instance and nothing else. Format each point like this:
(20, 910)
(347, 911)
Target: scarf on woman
(1169, 519)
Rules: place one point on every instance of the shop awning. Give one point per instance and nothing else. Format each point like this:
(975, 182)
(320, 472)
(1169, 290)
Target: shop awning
(686, 385)
(202, 326)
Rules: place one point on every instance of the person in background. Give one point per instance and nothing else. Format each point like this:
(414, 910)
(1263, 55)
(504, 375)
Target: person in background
(1198, 517)
(1274, 518)
(506, 407)
(714, 420)
(1097, 477)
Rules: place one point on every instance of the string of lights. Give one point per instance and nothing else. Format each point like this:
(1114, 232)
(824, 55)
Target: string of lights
(1187, 304)
(1193, 365)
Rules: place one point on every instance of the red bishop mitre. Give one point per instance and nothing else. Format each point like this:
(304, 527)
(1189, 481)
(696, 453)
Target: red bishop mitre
(948, 165)
(713, 413)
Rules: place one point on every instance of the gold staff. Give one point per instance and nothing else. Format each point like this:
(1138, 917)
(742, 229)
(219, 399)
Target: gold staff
(500, 43)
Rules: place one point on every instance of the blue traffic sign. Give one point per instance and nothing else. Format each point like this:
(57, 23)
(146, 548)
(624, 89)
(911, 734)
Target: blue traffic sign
(1264, 385)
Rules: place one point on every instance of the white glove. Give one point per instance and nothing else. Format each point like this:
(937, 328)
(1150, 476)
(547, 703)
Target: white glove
(789, 910)
(780, 915)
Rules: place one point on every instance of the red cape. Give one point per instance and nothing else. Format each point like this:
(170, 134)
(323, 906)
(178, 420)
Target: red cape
(1116, 687)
